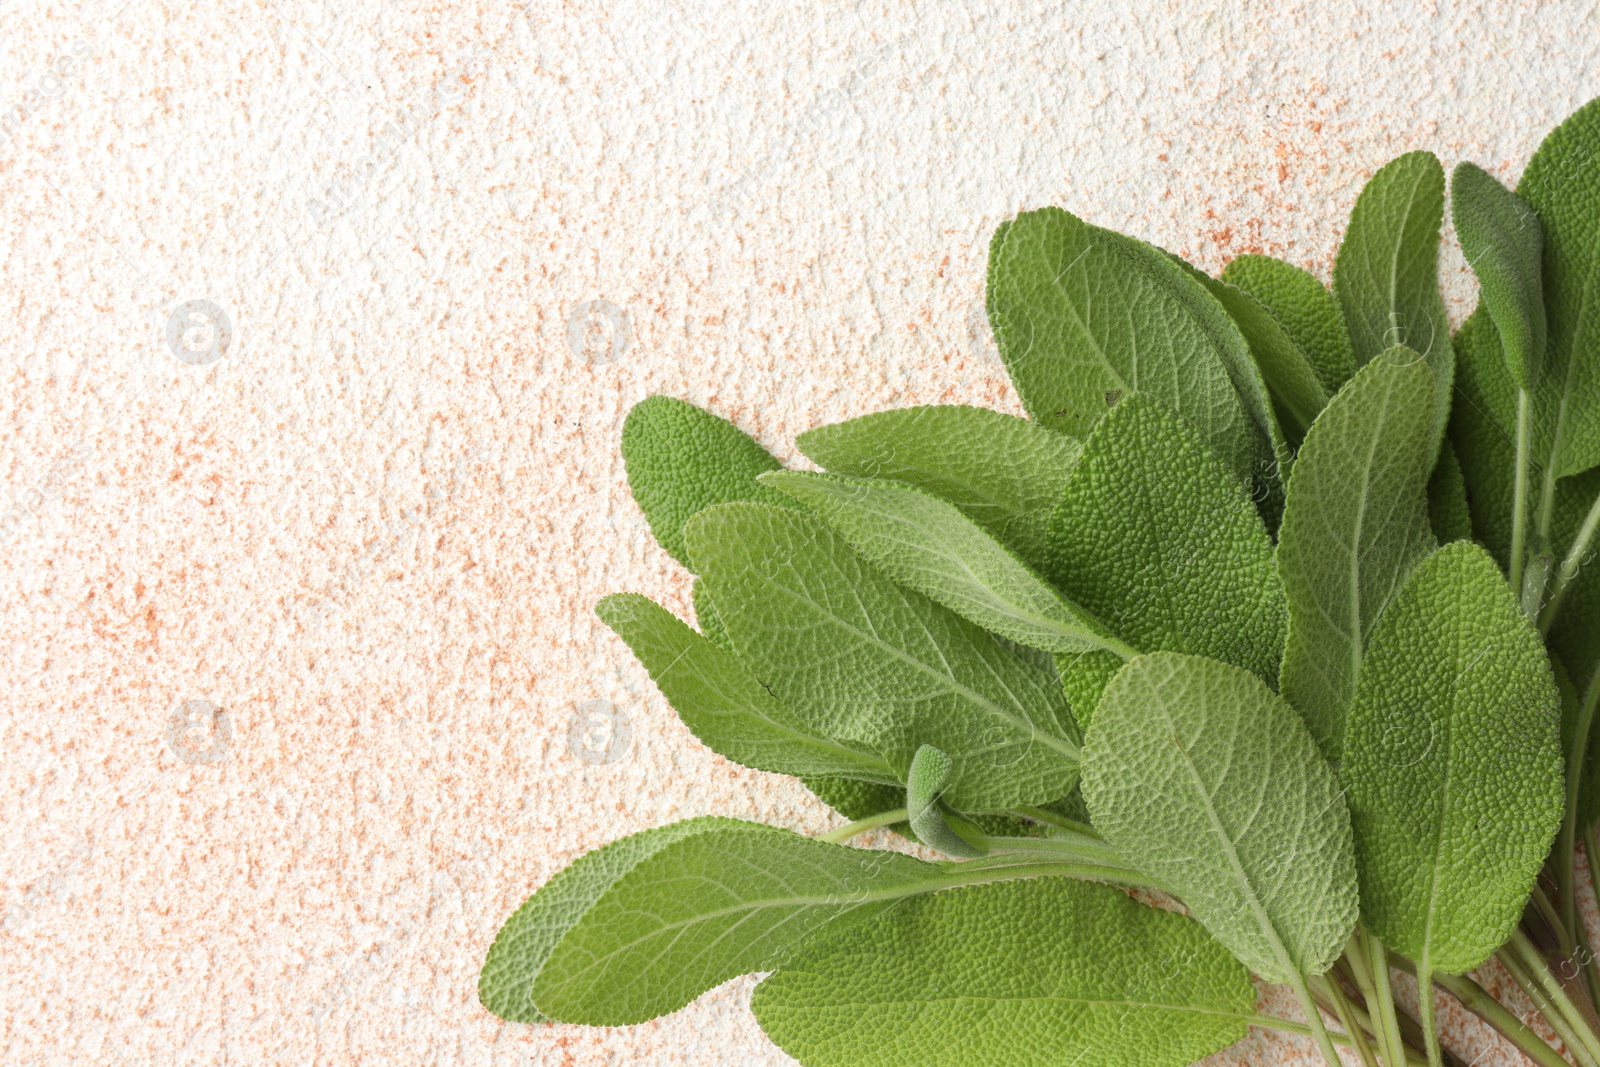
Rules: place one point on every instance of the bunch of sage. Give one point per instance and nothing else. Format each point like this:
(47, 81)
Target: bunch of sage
(1274, 609)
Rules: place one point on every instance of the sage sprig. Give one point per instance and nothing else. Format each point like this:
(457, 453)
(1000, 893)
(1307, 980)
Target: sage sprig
(1277, 608)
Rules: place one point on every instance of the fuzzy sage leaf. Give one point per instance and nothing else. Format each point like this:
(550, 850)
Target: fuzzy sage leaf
(1084, 317)
(525, 940)
(1354, 523)
(1305, 309)
(930, 771)
(1207, 781)
(1501, 238)
(723, 705)
(929, 545)
(1154, 537)
(1453, 763)
(1386, 275)
(1050, 971)
(1560, 186)
(681, 458)
(733, 898)
(1004, 473)
(871, 663)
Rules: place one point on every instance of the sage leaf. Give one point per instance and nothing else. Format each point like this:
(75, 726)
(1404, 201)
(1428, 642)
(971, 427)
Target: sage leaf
(681, 458)
(1559, 186)
(930, 771)
(929, 545)
(1083, 678)
(1503, 244)
(524, 942)
(1296, 391)
(1482, 431)
(1575, 636)
(873, 664)
(1004, 473)
(1386, 273)
(1155, 538)
(705, 616)
(1354, 524)
(1305, 309)
(1452, 763)
(723, 705)
(1017, 974)
(1263, 343)
(1448, 512)
(1209, 782)
(1084, 317)
(733, 898)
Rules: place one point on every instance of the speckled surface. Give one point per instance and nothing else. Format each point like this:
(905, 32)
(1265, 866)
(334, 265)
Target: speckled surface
(370, 533)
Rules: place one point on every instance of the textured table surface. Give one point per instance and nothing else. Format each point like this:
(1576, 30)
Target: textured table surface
(303, 691)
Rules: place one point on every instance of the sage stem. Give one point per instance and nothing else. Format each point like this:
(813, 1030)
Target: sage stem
(1519, 493)
(1570, 565)
(871, 822)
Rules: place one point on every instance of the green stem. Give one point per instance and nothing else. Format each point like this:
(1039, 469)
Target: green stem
(871, 822)
(1086, 852)
(1519, 493)
(1018, 865)
(1350, 1017)
(1570, 565)
(1541, 1003)
(1540, 562)
(1547, 494)
(1593, 862)
(1430, 1029)
(1383, 1007)
(1477, 1000)
(1569, 823)
(1360, 972)
(1548, 912)
(1319, 1032)
(1521, 955)
(1063, 846)
(1272, 1022)
(1060, 822)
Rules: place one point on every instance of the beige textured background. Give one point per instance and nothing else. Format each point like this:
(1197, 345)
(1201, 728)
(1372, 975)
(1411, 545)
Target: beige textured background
(372, 531)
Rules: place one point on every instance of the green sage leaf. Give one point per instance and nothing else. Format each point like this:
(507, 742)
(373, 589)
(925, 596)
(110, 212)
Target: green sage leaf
(1452, 763)
(1155, 538)
(1354, 524)
(1005, 473)
(710, 906)
(723, 705)
(870, 663)
(1083, 678)
(1559, 186)
(1448, 512)
(855, 799)
(1503, 244)
(705, 615)
(1084, 317)
(525, 940)
(1017, 974)
(1209, 782)
(1386, 275)
(929, 545)
(930, 771)
(1306, 310)
(681, 458)
(1483, 431)
(1296, 390)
